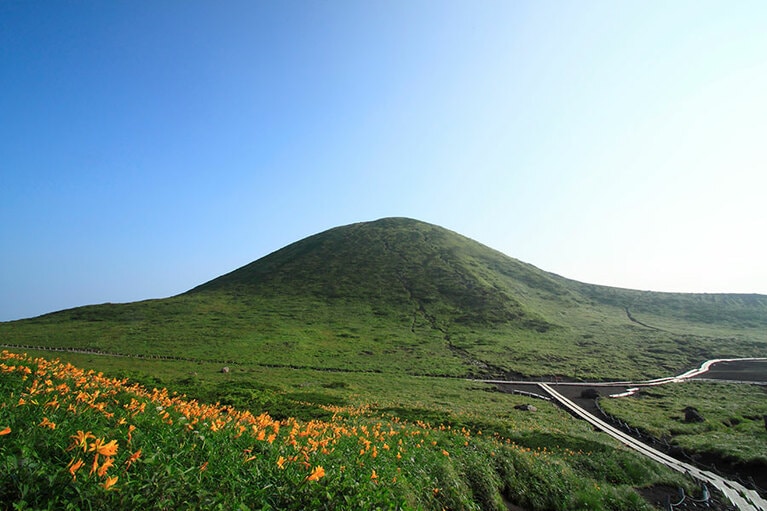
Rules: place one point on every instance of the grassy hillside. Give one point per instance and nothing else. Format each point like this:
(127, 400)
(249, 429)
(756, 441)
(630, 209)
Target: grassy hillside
(405, 297)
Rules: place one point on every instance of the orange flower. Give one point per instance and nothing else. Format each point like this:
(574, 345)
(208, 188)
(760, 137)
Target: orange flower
(5, 431)
(109, 482)
(74, 467)
(106, 449)
(317, 474)
(133, 457)
(81, 440)
(107, 464)
(281, 463)
(47, 424)
(204, 467)
(374, 476)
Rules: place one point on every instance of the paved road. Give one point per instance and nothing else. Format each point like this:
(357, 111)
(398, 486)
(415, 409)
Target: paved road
(743, 498)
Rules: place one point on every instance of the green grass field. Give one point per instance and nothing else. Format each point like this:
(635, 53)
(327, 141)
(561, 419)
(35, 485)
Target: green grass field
(71, 438)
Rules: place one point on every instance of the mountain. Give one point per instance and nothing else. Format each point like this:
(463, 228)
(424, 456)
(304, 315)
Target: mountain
(395, 264)
(402, 296)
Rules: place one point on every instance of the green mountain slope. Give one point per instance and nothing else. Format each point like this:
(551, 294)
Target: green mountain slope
(402, 296)
(394, 264)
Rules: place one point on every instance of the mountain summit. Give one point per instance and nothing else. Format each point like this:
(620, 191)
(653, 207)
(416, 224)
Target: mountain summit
(397, 263)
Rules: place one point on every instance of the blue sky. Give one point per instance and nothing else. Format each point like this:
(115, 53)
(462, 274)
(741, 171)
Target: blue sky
(147, 147)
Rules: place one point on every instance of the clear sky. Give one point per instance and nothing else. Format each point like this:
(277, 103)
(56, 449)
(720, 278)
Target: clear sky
(149, 146)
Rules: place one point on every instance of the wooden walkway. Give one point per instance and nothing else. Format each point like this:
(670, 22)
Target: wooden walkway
(743, 498)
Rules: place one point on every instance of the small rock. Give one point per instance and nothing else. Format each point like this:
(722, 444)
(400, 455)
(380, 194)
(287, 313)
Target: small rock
(692, 415)
(526, 408)
(225, 369)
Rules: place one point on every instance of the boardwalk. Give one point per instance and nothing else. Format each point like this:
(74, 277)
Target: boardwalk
(743, 498)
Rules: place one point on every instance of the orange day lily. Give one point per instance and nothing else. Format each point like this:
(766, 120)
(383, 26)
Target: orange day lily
(74, 467)
(107, 464)
(106, 449)
(5, 431)
(109, 482)
(81, 440)
(316, 474)
(133, 457)
(95, 464)
(47, 423)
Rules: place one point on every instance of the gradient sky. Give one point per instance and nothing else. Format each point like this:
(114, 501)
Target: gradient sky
(149, 146)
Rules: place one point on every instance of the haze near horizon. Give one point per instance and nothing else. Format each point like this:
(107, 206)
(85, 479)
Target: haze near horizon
(150, 147)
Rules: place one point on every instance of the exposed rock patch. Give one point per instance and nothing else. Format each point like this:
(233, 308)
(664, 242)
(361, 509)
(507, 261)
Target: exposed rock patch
(691, 415)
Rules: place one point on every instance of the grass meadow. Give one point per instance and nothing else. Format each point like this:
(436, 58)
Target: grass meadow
(733, 426)
(72, 438)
